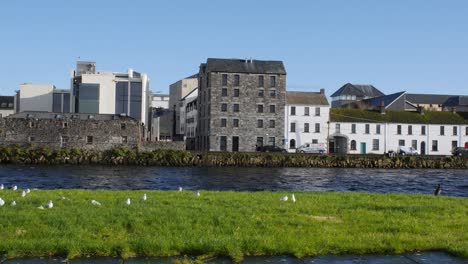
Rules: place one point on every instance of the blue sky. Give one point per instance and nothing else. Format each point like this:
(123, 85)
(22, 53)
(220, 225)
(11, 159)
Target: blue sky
(416, 46)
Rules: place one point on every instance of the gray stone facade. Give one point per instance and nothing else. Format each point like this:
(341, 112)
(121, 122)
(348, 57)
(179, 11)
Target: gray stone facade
(244, 92)
(81, 131)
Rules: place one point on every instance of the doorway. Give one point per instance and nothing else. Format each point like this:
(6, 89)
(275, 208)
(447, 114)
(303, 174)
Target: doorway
(423, 148)
(363, 148)
(235, 144)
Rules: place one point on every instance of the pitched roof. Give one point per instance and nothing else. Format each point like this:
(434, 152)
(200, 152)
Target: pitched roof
(358, 90)
(245, 66)
(456, 101)
(428, 98)
(385, 99)
(306, 98)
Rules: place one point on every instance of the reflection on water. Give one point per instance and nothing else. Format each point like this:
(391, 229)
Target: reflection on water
(454, 182)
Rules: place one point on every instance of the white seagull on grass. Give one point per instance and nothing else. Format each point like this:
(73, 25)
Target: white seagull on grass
(128, 202)
(284, 199)
(23, 194)
(94, 202)
(143, 198)
(2, 203)
(50, 204)
(14, 188)
(13, 203)
(2, 186)
(28, 190)
(198, 193)
(293, 198)
(180, 189)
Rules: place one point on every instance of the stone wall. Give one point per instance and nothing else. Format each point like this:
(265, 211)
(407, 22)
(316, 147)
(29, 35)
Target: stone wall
(70, 133)
(152, 146)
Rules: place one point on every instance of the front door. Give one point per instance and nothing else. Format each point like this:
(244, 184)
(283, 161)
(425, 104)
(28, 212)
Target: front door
(423, 148)
(235, 144)
(363, 148)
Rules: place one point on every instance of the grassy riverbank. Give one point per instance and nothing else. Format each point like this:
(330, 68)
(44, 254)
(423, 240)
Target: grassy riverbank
(233, 224)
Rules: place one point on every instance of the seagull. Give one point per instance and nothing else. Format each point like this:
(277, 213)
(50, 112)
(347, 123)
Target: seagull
(284, 199)
(2, 203)
(23, 193)
(41, 207)
(2, 186)
(293, 198)
(143, 198)
(128, 202)
(94, 202)
(13, 203)
(14, 188)
(65, 198)
(28, 190)
(438, 190)
(198, 193)
(49, 204)
(180, 189)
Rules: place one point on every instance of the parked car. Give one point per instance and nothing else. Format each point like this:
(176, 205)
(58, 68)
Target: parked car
(312, 148)
(404, 150)
(460, 151)
(270, 149)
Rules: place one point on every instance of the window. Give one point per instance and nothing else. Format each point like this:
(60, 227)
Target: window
(261, 80)
(375, 144)
(455, 131)
(423, 130)
(272, 108)
(261, 92)
(442, 130)
(337, 128)
(259, 141)
(272, 123)
(377, 129)
(32, 139)
(236, 92)
(224, 92)
(31, 124)
(259, 123)
(65, 124)
(89, 139)
(235, 122)
(410, 130)
(435, 145)
(223, 107)
(123, 126)
(223, 122)
(224, 80)
(272, 81)
(367, 129)
(314, 141)
(353, 128)
(293, 127)
(317, 128)
(271, 141)
(236, 80)
(466, 131)
(401, 142)
(293, 110)
(353, 145)
(272, 93)
(259, 108)
(454, 144)
(414, 144)
(398, 130)
(65, 139)
(222, 143)
(306, 111)
(124, 139)
(317, 111)
(292, 144)
(306, 127)
(235, 108)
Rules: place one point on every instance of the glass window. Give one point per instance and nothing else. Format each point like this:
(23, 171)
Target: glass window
(317, 111)
(271, 141)
(135, 100)
(236, 80)
(261, 80)
(414, 144)
(223, 122)
(236, 92)
(375, 144)
(235, 108)
(401, 142)
(223, 107)
(455, 131)
(259, 123)
(293, 110)
(57, 103)
(224, 92)
(435, 146)
(272, 81)
(423, 130)
(259, 141)
(367, 128)
(306, 127)
(317, 128)
(89, 139)
(399, 129)
(410, 130)
(353, 128)
(222, 143)
(66, 103)
(259, 108)
(224, 80)
(353, 145)
(261, 92)
(442, 130)
(377, 129)
(272, 123)
(337, 128)
(272, 108)
(466, 131)
(272, 93)
(293, 127)
(292, 144)
(306, 111)
(454, 144)
(314, 141)
(88, 98)
(235, 122)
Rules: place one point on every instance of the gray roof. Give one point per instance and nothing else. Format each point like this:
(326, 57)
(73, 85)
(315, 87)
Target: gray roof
(364, 90)
(245, 66)
(7, 102)
(428, 98)
(306, 98)
(386, 100)
(456, 101)
(80, 116)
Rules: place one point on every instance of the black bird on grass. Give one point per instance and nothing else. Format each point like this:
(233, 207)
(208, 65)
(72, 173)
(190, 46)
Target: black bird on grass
(438, 190)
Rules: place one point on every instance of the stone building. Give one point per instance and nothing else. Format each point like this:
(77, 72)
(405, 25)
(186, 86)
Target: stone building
(241, 104)
(82, 131)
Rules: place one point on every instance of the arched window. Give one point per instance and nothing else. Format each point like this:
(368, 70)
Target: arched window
(292, 144)
(353, 144)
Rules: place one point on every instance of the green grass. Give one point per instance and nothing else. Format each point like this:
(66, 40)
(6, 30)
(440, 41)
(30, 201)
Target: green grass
(232, 224)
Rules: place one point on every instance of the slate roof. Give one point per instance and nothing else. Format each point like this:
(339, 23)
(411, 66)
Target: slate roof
(358, 90)
(7, 102)
(456, 101)
(245, 66)
(386, 99)
(428, 98)
(306, 98)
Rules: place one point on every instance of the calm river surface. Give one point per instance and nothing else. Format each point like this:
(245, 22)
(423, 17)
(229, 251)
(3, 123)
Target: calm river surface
(454, 182)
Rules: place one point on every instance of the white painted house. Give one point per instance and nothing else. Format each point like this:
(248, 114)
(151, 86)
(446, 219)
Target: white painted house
(306, 117)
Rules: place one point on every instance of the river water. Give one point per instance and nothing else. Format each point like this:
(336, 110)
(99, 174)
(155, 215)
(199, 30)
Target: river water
(454, 182)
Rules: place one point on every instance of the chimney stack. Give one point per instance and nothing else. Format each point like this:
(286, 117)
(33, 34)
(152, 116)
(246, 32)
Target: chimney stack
(421, 110)
(322, 91)
(382, 108)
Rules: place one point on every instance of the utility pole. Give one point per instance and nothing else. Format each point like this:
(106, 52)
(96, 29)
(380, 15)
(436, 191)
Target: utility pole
(328, 138)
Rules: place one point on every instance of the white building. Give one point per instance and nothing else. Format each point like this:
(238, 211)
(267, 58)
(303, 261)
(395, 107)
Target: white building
(42, 98)
(378, 135)
(160, 101)
(7, 106)
(188, 118)
(177, 91)
(110, 92)
(306, 117)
